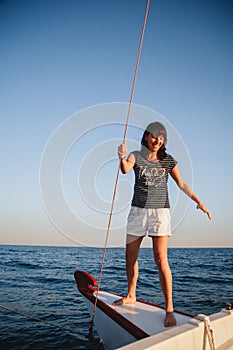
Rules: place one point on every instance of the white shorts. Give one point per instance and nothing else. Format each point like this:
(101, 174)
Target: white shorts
(154, 222)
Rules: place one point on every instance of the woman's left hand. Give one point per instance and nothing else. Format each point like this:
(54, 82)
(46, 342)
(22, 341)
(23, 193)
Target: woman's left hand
(204, 209)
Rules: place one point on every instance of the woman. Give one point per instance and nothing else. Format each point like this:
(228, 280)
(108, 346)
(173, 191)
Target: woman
(150, 212)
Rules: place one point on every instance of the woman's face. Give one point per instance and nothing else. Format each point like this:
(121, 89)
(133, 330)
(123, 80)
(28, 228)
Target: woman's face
(154, 141)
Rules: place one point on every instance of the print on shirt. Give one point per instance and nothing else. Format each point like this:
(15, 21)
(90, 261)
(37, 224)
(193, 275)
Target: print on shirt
(152, 176)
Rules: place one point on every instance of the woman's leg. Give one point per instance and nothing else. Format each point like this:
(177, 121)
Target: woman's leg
(132, 249)
(160, 245)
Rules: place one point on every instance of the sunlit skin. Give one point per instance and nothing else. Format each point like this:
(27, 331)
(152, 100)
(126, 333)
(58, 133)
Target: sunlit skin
(160, 244)
(154, 142)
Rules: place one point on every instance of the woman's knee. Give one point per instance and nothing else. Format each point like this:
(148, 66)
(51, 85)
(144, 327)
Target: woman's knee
(131, 257)
(161, 260)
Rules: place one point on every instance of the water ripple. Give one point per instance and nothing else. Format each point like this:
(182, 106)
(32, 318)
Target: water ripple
(39, 281)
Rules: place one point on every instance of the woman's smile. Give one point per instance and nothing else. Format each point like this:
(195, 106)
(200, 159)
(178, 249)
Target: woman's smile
(155, 142)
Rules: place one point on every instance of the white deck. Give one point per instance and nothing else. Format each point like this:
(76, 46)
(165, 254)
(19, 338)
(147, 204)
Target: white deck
(147, 317)
(191, 338)
(189, 333)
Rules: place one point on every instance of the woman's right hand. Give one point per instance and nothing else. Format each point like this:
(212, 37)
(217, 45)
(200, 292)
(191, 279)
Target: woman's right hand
(122, 151)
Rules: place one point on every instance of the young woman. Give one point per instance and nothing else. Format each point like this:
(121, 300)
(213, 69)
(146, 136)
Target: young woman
(150, 212)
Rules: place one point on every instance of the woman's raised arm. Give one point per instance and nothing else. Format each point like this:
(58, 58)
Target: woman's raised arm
(126, 163)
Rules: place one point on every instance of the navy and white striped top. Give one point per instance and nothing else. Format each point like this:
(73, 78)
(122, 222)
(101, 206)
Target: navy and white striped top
(150, 189)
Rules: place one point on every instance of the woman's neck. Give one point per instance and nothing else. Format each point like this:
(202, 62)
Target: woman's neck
(153, 156)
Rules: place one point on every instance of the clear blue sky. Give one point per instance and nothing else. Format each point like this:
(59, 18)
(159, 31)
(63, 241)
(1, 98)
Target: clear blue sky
(62, 57)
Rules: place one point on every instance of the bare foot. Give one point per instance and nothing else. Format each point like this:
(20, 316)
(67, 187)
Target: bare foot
(170, 319)
(124, 301)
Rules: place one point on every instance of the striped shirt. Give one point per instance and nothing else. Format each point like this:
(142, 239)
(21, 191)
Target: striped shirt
(150, 189)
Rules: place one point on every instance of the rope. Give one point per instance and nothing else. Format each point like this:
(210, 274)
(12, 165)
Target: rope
(118, 171)
(38, 319)
(208, 331)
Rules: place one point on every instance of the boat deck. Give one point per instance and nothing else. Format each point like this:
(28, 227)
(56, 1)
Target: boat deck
(141, 325)
(146, 316)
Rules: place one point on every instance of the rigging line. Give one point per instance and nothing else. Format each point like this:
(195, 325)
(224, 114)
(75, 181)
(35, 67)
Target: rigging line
(118, 171)
(207, 330)
(38, 319)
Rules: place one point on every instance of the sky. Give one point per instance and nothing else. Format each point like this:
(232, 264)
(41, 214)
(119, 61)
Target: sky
(65, 81)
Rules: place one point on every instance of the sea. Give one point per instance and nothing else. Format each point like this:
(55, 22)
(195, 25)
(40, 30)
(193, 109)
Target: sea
(41, 307)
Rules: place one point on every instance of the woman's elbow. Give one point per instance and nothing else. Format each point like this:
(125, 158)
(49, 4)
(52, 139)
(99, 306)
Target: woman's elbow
(124, 169)
(181, 185)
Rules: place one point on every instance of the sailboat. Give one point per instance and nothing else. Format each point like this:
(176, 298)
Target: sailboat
(140, 326)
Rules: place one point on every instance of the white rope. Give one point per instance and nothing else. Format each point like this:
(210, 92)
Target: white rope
(208, 330)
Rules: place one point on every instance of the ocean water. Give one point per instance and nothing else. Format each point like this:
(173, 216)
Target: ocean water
(38, 281)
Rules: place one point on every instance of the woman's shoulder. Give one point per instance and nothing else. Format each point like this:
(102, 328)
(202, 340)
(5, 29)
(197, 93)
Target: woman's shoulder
(138, 156)
(168, 156)
(136, 153)
(170, 160)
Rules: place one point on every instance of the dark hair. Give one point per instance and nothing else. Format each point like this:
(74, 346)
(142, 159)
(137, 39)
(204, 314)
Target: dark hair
(149, 130)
